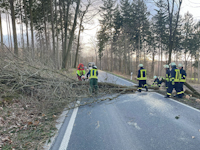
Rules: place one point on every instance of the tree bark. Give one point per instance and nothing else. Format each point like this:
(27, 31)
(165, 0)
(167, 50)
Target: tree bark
(31, 25)
(72, 31)
(14, 27)
(57, 46)
(52, 30)
(45, 29)
(172, 34)
(80, 26)
(26, 22)
(9, 31)
(1, 31)
(22, 32)
(153, 62)
(65, 53)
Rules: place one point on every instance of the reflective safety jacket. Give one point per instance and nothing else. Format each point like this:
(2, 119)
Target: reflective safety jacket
(80, 72)
(93, 74)
(142, 74)
(167, 75)
(175, 75)
(156, 82)
(182, 75)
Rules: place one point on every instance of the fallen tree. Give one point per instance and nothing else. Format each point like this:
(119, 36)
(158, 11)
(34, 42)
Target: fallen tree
(192, 91)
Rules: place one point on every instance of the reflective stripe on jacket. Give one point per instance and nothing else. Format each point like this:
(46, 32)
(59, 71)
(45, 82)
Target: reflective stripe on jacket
(93, 74)
(182, 75)
(80, 72)
(142, 74)
(175, 75)
(167, 75)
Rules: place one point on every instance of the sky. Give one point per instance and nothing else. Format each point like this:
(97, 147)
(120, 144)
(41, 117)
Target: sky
(91, 27)
(192, 6)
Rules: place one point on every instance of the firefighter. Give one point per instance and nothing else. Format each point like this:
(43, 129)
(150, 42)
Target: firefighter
(80, 71)
(142, 77)
(156, 81)
(174, 81)
(167, 76)
(93, 79)
(182, 78)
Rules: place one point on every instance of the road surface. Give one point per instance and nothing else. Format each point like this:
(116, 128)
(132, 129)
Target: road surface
(140, 121)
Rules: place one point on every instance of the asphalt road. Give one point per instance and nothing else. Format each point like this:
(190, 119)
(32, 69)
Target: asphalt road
(140, 121)
(107, 77)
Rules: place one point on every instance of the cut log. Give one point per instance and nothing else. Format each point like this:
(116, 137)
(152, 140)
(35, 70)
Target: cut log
(112, 85)
(191, 93)
(189, 87)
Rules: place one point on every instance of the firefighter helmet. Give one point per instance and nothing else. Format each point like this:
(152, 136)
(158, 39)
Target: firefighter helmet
(180, 65)
(94, 67)
(140, 65)
(173, 64)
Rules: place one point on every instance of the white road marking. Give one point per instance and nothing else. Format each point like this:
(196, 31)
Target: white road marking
(66, 138)
(179, 102)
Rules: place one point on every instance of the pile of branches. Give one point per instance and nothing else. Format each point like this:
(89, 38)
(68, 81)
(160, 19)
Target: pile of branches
(32, 78)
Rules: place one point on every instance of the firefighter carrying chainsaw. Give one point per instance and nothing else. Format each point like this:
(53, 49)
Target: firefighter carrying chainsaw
(80, 71)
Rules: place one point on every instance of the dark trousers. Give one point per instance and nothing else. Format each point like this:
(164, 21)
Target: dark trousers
(93, 85)
(79, 77)
(181, 88)
(176, 86)
(166, 84)
(142, 83)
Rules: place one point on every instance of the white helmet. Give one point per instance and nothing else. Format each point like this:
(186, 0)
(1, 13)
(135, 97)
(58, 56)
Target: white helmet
(94, 67)
(166, 66)
(173, 64)
(180, 65)
(140, 65)
(155, 77)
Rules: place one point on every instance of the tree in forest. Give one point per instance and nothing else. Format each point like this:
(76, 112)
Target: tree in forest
(107, 15)
(102, 38)
(81, 28)
(141, 23)
(14, 26)
(172, 20)
(188, 34)
(160, 29)
(128, 29)
(117, 25)
(71, 38)
(1, 31)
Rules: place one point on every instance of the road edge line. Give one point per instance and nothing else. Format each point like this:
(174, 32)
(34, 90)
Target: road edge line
(179, 102)
(66, 137)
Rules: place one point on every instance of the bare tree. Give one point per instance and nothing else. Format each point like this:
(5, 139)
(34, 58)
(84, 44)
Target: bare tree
(31, 25)
(64, 52)
(72, 31)
(26, 22)
(80, 29)
(14, 26)
(172, 31)
(1, 31)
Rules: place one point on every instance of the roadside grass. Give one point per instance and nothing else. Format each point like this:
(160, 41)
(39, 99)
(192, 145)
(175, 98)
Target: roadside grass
(193, 79)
